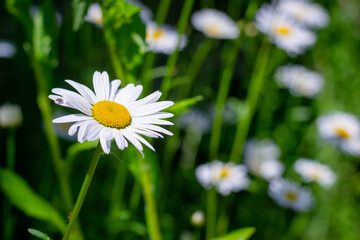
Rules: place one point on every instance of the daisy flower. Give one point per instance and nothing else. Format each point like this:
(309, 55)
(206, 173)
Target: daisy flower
(261, 157)
(299, 80)
(343, 129)
(10, 116)
(7, 49)
(290, 194)
(197, 218)
(112, 113)
(196, 120)
(215, 24)
(225, 177)
(94, 14)
(284, 32)
(304, 12)
(163, 39)
(311, 170)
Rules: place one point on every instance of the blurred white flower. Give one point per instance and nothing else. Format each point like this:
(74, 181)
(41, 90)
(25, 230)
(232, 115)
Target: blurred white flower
(198, 218)
(163, 39)
(7, 49)
(94, 14)
(145, 14)
(196, 120)
(261, 157)
(311, 170)
(299, 80)
(113, 113)
(305, 12)
(290, 194)
(283, 31)
(215, 24)
(226, 177)
(343, 129)
(10, 116)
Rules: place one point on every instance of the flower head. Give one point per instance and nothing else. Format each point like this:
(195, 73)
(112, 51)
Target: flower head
(290, 194)
(10, 116)
(283, 31)
(198, 121)
(299, 80)
(112, 113)
(7, 49)
(311, 170)
(163, 39)
(261, 157)
(94, 14)
(304, 12)
(215, 24)
(343, 129)
(226, 177)
(197, 218)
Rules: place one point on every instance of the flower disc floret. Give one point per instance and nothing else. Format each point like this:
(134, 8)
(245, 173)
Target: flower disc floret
(111, 114)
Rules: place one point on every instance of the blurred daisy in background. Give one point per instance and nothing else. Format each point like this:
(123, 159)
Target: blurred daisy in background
(215, 24)
(261, 157)
(146, 14)
(196, 120)
(305, 12)
(94, 15)
(284, 32)
(313, 171)
(163, 39)
(197, 218)
(289, 194)
(7, 49)
(112, 113)
(343, 129)
(299, 80)
(225, 177)
(10, 116)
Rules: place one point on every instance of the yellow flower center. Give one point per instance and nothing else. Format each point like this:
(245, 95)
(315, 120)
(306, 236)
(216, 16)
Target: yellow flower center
(212, 30)
(111, 114)
(156, 34)
(342, 133)
(282, 30)
(225, 172)
(291, 196)
(98, 20)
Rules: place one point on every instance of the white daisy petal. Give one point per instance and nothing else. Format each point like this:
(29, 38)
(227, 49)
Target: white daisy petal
(106, 82)
(84, 91)
(114, 85)
(99, 86)
(151, 108)
(71, 118)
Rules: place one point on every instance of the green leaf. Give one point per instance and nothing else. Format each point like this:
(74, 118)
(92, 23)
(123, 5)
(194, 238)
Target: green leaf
(184, 105)
(38, 234)
(79, 7)
(240, 234)
(25, 199)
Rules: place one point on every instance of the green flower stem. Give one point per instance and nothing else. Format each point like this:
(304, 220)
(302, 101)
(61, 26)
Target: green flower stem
(135, 197)
(162, 11)
(170, 65)
(150, 209)
(223, 221)
(225, 80)
(255, 87)
(83, 190)
(195, 66)
(210, 213)
(45, 109)
(10, 147)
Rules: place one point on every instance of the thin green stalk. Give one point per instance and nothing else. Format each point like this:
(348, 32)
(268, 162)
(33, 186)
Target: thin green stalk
(210, 213)
(162, 11)
(223, 221)
(45, 109)
(10, 146)
(195, 66)
(170, 65)
(118, 189)
(135, 197)
(150, 210)
(222, 95)
(254, 91)
(83, 191)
